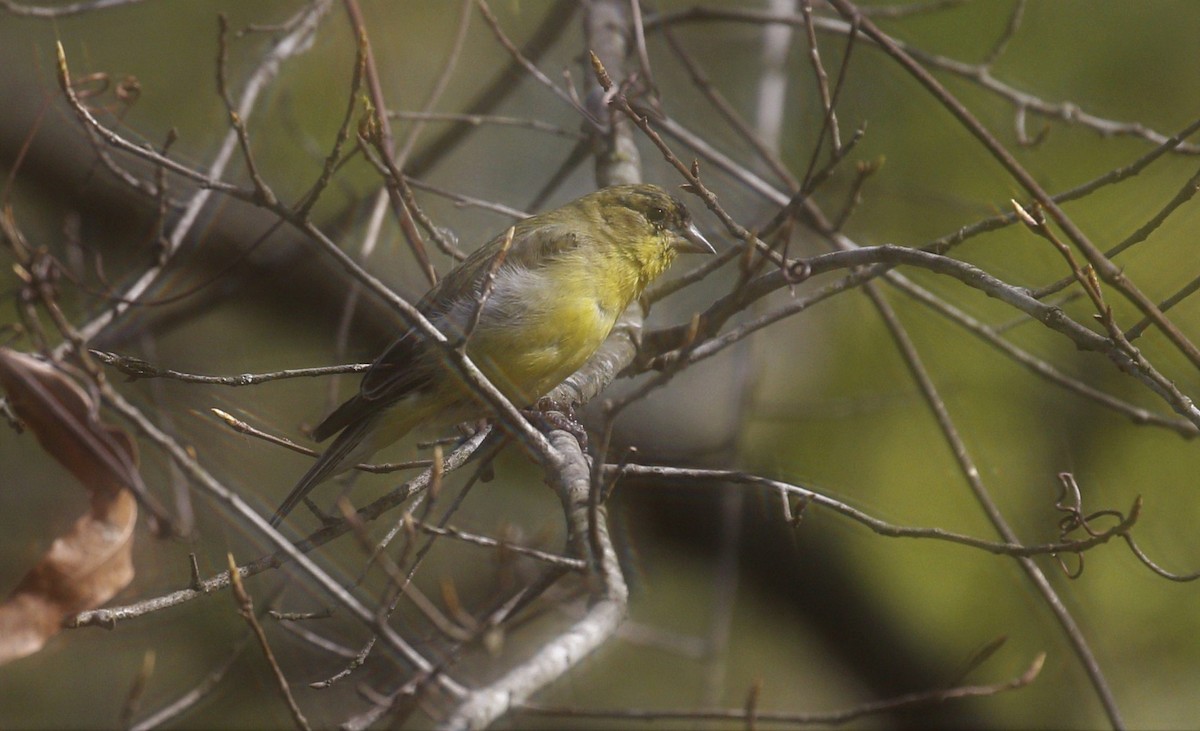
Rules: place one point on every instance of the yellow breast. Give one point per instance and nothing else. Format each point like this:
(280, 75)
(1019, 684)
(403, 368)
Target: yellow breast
(539, 326)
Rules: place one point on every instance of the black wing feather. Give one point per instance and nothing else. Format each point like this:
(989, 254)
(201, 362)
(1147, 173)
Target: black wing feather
(325, 465)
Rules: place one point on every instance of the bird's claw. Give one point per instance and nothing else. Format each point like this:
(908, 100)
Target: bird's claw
(547, 415)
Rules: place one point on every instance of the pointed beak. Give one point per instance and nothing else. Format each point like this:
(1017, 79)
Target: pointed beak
(693, 242)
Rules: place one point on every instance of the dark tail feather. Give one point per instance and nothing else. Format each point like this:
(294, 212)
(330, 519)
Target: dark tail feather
(327, 465)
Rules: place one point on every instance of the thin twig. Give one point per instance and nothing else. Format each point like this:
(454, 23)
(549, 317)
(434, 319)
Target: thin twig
(528, 437)
(261, 189)
(246, 609)
(1065, 111)
(188, 700)
(136, 369)
(1185, 194)
(62, 11)
(1052, 317)
(697, 477)
(727, 111)
(558, 655)
(1010, 31)
(464, 201)
(382, 137)
(241, 427)
(506, 82)
(1036, 365)
(1183, 293)
(285, 48)
(814, 57)
(1104, 267)
(743, 715)
(287, 550)
(334, 158)
(480, 120)
(983, 497)
(530, 67)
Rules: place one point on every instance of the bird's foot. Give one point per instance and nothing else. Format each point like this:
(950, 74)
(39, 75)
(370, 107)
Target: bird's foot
(547, 415)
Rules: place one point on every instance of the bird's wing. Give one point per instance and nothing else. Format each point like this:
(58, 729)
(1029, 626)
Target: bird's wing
(327, 464)
(535, 241)
(392, 376)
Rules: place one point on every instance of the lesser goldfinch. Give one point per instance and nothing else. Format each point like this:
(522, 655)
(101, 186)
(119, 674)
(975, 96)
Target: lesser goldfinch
(555, 296)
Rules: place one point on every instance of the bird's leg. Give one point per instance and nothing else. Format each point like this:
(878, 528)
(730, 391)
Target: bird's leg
(547, 415)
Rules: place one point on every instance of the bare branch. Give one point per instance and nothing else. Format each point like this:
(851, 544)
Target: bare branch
(971, 475)
(246, 609)
(557, 656)
(1010, 547)
(285, 48)
(747, 715)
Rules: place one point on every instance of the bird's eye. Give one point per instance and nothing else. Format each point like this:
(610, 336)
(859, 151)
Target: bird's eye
(656, 215)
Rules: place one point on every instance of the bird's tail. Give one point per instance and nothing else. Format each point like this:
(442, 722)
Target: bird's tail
(328, 464)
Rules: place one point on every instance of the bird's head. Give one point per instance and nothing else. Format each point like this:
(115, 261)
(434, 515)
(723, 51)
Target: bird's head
(657, 214)
(644, 226)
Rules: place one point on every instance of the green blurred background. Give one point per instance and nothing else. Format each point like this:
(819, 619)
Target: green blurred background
(823, 616)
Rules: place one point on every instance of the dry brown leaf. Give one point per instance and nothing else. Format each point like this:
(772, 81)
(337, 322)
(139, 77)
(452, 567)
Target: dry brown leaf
(65, 420)
(85, 567)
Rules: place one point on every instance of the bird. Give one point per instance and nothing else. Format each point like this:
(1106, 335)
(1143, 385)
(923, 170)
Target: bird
(533, 304)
